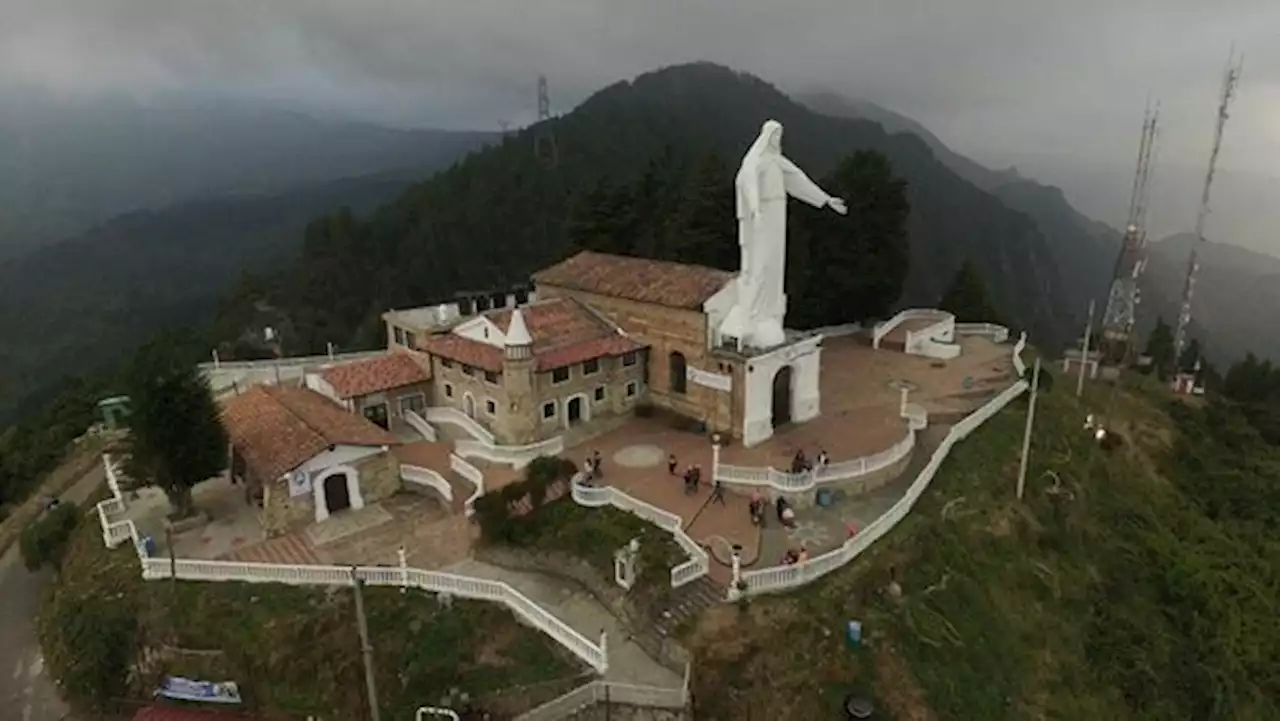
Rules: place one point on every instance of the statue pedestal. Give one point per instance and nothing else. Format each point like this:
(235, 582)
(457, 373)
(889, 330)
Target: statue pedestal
(782, 386)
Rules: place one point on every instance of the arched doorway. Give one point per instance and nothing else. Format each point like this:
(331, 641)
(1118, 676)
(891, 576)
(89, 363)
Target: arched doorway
(469, 405)
(782, 397)
(677, 371)
(336, 495)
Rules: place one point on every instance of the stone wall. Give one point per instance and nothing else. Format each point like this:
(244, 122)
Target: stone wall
(666, 330)
(612, 596)
(452, 385)
(392, 399)
(280, 513)
(611, 374)
(379, 477)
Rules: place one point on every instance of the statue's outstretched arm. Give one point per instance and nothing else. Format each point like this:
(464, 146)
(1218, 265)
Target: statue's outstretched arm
(800, 187)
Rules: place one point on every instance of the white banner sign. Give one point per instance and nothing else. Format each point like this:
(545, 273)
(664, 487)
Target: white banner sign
(710, 380)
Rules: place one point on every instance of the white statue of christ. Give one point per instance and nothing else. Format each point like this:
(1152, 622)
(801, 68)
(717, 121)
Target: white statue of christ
(763, 183)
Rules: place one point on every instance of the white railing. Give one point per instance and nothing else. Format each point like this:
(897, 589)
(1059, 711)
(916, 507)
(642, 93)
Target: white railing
(427, 477)
(420, 425)
(780, 578)
(699, 563)
(1018, 347)
(592, 654)
(444, 414)
(594, 692)
(116, 532)
(472, 475)
(516, 456)
(883, 328)
(804, 481)
(295, 362)
(997, 333)
(835, 331)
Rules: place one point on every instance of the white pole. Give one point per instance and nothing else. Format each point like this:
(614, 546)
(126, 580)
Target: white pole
(404, 567)
(215, 359)
(1026, 435)
(1084, 356)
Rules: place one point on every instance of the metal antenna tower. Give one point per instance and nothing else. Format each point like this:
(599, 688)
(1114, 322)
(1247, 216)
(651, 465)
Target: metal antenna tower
(544, 139)
(1229, 81)
(1122, 298)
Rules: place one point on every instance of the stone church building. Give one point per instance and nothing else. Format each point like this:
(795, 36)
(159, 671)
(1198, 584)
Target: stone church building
(605, 334)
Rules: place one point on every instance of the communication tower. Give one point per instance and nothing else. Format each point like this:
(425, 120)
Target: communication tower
(544, 138)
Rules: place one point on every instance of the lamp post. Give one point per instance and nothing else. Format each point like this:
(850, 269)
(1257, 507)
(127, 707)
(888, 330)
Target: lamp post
(736, 553)
(715, 456)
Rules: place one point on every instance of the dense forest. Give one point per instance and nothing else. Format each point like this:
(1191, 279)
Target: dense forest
(507, 211)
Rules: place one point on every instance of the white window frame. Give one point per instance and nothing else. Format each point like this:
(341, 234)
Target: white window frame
(398, 334)
(585, 372)
(497, 378)
(554, 411)
(633, 389)
(448, 390)
(603, 391)
(410, 396)
(568, 375)
(633, 355)
(490, 403)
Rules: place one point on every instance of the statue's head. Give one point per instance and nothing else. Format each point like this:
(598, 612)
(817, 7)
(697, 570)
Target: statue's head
(772, 131)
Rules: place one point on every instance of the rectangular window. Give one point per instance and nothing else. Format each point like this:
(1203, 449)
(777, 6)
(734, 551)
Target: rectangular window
(591, 366)
(416, 403)
(560, 375)
(631, 389)
(549, 410)
(399, 335)
(629, 359)
(410, 340)
(490, 407)
(599, 394)
(448, 390)
(468, 370)
(491, 378)
(446, 363)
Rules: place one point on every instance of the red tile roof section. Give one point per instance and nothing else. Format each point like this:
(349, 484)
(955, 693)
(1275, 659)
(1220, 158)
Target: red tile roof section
(564, 332)
(676, 285)
(373, 375)
(278, 428)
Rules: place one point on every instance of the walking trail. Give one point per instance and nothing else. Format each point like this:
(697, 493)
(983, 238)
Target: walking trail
(628, 663)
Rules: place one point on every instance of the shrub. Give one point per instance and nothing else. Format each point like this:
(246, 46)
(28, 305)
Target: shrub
(44, 540)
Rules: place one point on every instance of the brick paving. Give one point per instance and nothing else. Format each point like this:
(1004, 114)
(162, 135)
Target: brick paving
(292, 549)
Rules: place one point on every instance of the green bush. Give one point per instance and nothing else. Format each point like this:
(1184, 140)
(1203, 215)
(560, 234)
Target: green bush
(44, 540)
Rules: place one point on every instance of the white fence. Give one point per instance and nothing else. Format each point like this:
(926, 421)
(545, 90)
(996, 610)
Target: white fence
(885, 327)
(699, 563)
(594, 692)
(427, 477)
(804, 481)
(1018, 347)
(420, 425)
(997, 333)
(115, 532)
(443, 414)
(472, 475)
(835, 331)
(292, 363)
(781, 578)
(516, 456)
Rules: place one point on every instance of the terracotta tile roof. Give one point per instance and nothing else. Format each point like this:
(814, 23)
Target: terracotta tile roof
(278, 428)
(660, 282)
(372, 375)
(564, 332)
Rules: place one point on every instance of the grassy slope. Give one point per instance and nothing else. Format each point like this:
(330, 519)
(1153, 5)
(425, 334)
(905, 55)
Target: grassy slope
(293, 650)
(1010, 610)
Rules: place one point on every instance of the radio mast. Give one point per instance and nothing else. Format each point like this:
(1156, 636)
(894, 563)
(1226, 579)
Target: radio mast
(544, 139)
(1230, 78)
(1122, 299)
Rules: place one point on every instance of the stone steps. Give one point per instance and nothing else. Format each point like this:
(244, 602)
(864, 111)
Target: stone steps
(685, 603)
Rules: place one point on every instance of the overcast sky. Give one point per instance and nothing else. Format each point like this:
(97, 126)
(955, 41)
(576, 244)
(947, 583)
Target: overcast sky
(987, 76)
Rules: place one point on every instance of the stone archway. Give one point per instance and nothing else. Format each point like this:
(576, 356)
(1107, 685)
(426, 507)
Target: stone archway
(335, 490)
(337, 497)
(782, 392)
(469, 405)
(677, 373)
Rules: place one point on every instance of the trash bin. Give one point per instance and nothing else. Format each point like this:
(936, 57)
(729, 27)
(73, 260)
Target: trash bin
(149, 546)
(853, 634)
(824, 497)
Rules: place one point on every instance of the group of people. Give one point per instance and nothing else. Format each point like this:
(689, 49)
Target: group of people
(801, 463)
(758, 504)
(592, 468)
(794, 556)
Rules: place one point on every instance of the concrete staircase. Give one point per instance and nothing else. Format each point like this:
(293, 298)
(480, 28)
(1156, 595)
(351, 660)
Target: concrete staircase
(686, 603)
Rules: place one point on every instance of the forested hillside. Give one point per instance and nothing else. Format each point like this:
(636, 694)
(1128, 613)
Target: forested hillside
(505, 212)
(79, 305)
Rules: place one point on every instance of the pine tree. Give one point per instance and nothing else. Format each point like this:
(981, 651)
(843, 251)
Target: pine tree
(967, 298)
(703, 226)
(176, 439)
(1190, 355)
(1160, 348)
(850, 267)
(603, 220)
